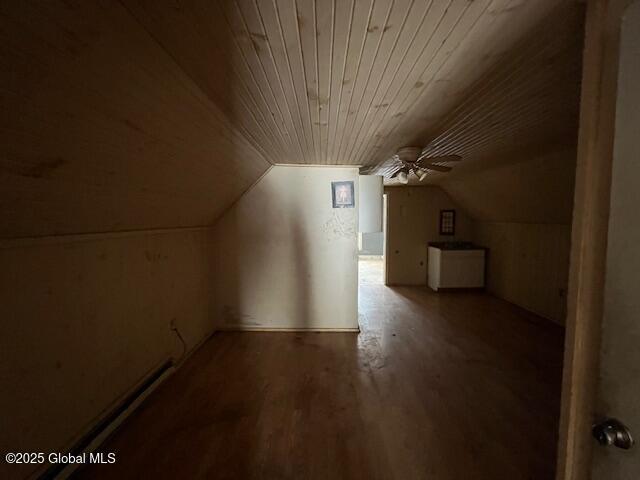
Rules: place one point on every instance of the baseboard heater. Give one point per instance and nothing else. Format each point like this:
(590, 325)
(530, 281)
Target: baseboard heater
(103, 426)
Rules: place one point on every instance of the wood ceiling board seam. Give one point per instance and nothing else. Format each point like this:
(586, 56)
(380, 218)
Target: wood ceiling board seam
(360, 120)
(374, 29)
(278, 81)
(571, 64)
(288, 24)
(308, 42)
(483, 137)
(243, 40)
(271, 21)
(252, 23)
(325, 74)
(252, 111)
(482, 80)
(336, 100)
(485, 84)
(504, 158)
(473, 118)
(462, 138)
(523, 110)
(302, 87)
(238, 64)
(427, 84)
(299, 20)
(411, 79)
(359, 25)
(426, 24)
(361, 17)
(405, 69)
(250, 31)
(497, 142)
(318, 165)
(535, 66)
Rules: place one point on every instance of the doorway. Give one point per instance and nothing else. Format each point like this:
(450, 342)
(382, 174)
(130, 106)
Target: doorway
(371, 253)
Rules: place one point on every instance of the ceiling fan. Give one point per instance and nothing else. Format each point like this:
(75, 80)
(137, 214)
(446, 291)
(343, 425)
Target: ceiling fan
(411, 159)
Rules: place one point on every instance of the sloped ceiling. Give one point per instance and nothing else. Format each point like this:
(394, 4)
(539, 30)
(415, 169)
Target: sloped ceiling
(101, 130)
(533, 190)
(157, 113)
(524, 107)
(351, 81)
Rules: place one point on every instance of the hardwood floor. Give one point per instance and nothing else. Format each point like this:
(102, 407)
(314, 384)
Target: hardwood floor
(436, 386)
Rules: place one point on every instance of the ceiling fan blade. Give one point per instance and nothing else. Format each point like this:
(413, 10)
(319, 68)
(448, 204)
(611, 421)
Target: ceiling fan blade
(395, 174)
(437, 168)
(442, 158)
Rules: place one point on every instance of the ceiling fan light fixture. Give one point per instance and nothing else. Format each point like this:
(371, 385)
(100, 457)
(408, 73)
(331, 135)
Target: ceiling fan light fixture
(420, 173)
(414, 160)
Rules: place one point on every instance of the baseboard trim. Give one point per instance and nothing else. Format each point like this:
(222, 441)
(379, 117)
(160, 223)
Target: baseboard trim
(103, 429)
(248, 328)
(115, 416)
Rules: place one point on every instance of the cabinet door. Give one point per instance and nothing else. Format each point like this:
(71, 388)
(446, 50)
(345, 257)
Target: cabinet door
(462, 269)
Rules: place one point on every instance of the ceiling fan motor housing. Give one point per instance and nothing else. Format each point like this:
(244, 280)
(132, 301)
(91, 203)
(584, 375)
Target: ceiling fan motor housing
(409, 154)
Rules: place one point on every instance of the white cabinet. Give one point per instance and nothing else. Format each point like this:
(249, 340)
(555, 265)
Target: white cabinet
(456, 268)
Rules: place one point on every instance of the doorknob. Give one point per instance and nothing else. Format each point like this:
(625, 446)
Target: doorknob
(612, 432)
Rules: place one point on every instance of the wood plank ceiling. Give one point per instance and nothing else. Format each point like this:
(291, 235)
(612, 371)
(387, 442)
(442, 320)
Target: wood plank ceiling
(526, 106)
(160, 113)
(350, 81)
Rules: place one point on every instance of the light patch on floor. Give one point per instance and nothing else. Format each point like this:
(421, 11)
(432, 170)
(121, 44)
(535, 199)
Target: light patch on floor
(442, 386)
(370, 270)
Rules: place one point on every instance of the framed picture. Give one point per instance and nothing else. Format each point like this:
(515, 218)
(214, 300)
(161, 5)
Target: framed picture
(343, 194)
(447, 222)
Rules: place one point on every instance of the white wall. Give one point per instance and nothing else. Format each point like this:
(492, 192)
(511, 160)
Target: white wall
(285, 258)
(528, 264)
(370, 209)
(522, 213)
(413, 220)
(85, 318)
(372, 243)
(533, 190)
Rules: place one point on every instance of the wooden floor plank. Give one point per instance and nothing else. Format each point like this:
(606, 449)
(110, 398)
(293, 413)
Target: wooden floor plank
(444, 386)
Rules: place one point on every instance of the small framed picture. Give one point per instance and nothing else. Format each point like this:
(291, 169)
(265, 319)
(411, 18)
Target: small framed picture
(343, 194)
(447, 222)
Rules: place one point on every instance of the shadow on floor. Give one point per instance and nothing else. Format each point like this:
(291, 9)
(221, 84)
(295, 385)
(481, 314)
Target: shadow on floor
(444, 386)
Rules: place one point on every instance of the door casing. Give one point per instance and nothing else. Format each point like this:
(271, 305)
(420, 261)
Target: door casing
(585, 297)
